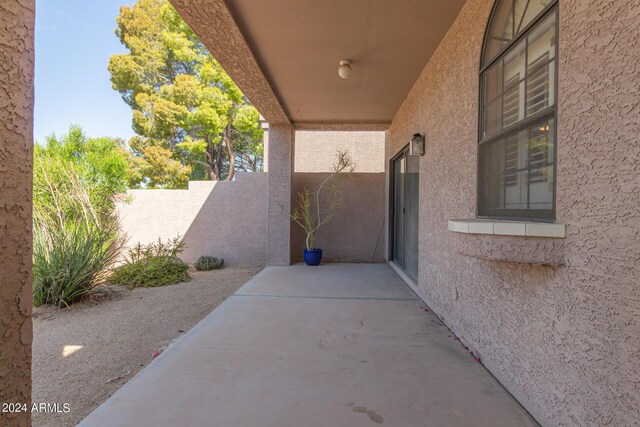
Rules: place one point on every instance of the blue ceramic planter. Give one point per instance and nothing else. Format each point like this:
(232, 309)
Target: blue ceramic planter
(313, 256)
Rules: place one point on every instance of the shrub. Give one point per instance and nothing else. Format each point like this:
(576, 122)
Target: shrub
(154, 264)
(73, 245)
(205, 263)
(102, 165)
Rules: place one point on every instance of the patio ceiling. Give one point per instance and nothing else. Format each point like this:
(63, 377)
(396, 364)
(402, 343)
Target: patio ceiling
(284, 54)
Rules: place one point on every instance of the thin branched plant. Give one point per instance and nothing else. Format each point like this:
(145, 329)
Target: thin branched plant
(309, 212)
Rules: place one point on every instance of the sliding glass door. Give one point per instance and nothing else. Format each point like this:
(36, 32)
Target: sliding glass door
(404, 213)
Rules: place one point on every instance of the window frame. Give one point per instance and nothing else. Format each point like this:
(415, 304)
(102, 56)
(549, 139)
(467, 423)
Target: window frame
(548, 113)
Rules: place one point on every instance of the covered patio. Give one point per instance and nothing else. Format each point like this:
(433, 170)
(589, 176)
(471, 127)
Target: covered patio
(341, 344)
(516, 220)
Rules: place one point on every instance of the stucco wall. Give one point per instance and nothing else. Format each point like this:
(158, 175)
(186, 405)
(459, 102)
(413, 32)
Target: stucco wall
(316, 150)
(223, 219)
(228, 219)
(355, 233)
(16, 142)
(280, 146)
(565, 340)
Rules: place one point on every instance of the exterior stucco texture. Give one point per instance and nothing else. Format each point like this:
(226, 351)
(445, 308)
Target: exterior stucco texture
(218, 218)
(355, 234)
(280, 147)
(316, 150)
(563, 338)
(16, 123)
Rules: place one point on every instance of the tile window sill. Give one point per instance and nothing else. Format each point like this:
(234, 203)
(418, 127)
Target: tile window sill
(507, 228)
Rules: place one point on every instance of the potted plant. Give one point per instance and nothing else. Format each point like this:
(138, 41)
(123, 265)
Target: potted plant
(309, 214)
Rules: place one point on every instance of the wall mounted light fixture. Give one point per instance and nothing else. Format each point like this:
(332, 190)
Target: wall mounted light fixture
(344, 70)
(416, 145)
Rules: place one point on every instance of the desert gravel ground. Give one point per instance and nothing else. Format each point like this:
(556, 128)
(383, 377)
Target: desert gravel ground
(109, 338)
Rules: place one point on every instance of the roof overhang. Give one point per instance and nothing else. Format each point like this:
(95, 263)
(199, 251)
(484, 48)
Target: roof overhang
(284, 54)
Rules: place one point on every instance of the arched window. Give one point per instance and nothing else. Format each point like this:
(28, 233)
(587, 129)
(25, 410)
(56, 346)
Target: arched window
(518, 93)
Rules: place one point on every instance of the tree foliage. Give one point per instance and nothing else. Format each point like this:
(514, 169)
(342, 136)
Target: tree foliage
(192, 121)
(101, 164)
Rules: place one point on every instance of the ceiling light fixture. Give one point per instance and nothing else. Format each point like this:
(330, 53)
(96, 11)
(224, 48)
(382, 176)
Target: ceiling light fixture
(344, 70)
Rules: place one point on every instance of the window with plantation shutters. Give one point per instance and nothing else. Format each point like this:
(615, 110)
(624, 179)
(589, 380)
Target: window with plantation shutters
(511, 106)
(538, 85)
(518, 111)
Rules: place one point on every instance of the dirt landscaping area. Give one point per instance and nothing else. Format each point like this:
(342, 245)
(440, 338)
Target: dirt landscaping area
(83, 354)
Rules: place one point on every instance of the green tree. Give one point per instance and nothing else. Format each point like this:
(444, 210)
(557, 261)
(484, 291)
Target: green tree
(185, 107)
(154, 166)
(101, 164)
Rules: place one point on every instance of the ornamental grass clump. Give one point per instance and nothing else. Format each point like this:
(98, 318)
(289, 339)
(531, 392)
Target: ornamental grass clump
(154, 264)
(74, 243)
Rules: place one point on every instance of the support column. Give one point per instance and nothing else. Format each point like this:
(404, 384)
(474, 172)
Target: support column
(16, 164)
(280, 152)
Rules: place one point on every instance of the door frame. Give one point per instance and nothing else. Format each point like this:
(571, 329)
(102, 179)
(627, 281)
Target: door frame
(391, 213)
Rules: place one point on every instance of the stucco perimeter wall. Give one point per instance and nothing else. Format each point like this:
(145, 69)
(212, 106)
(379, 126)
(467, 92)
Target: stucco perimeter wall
(565, 340)
(316, 150)
(16, 143)
(355, 234)
(219, 218)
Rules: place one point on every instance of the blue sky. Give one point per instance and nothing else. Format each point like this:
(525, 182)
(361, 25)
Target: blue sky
(74, 40)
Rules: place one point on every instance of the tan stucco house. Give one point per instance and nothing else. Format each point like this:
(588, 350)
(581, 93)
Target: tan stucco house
(519, 225)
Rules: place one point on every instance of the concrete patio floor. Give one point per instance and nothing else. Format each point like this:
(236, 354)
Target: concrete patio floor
(335, 345)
